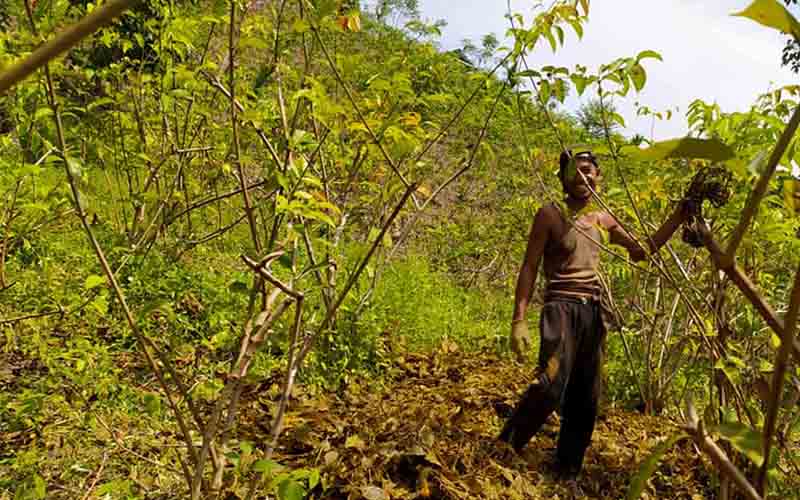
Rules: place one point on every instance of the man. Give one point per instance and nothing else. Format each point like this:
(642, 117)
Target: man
(571, 327)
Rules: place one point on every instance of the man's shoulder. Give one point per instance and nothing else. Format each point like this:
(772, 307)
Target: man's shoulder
(605, 219)
(548, 213)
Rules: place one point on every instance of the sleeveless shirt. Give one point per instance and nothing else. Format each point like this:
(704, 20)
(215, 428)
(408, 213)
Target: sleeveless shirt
(571, 259)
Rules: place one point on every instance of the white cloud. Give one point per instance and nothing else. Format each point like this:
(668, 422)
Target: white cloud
(707, 53)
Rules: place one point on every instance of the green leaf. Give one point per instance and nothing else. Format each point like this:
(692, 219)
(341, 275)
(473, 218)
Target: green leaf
(75, 167)
(152, 404)
(649, 54)
(267, 466)
(544, 91)
(560, 34)
(291, 490)
(580, 83)
(638, 76)
(119, 488)
(42, 112)
(649, 465)
(576, 25)
(746, 440)
(528, 73)
(772, 14)
(32, 489)
(616, 117)
(313, 478)
(550, 38)
(687, 147)
(93, 281)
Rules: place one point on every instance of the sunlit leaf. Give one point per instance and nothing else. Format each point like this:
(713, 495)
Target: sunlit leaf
(772, 14)
(744, 439)
(93, 281)
(687, 147)
(648, 54)
(551, 39)
(646, 469)
(544, 91)
(291, 490)
(528, 73)
(617, 118)
(313, 478)
(579, 82)
(267, 466)
(638, 76)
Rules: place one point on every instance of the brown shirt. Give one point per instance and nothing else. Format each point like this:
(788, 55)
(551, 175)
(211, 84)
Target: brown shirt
(571, 257)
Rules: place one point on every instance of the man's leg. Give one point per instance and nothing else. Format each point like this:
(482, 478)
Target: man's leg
(580, 404)
(556, 355)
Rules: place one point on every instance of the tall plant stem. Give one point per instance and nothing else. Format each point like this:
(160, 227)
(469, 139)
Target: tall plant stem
(251, 220)
(781, 365)
(76, 199)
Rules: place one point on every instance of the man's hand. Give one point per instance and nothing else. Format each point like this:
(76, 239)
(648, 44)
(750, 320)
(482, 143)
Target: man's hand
(520, 339)
(688, 208)
(637, 253)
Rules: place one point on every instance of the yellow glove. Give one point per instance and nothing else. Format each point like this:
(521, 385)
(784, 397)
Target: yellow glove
(520, 339)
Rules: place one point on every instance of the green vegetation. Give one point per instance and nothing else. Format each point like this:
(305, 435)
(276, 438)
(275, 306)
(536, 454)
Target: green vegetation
(293, 196)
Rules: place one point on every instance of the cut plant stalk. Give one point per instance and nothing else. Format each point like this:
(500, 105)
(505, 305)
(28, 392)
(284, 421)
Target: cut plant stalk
(63, 42)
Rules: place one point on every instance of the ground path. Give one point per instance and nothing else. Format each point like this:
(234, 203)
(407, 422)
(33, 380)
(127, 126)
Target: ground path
(429, 433)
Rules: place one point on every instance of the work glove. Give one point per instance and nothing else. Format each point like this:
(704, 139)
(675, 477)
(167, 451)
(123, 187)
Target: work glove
(520, 339)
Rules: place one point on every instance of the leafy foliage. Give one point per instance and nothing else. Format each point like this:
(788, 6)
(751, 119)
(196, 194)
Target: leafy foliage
(386, 187)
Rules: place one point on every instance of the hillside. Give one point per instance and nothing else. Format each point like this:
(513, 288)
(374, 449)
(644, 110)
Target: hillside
(269, 250)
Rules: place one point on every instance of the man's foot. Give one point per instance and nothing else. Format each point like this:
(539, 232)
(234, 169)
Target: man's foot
(567, 475)
(573, 488)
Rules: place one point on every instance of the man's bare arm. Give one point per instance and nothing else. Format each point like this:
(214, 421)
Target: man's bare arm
(621, 237)
(537, 239)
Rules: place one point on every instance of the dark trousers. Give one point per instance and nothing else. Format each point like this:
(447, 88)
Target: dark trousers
(568, 375)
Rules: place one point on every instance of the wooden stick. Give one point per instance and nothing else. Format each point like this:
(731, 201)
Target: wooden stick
(63, 42)
(781, 364)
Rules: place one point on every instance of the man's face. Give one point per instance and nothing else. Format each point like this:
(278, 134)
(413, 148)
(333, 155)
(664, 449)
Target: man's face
(581, 175)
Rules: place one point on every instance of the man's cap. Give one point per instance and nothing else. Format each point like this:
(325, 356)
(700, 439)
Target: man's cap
(577, 151)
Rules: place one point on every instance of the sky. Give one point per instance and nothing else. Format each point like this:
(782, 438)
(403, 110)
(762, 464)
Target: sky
(707, 53)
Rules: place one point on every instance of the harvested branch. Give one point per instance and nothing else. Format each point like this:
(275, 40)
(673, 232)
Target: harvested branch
(63, 42)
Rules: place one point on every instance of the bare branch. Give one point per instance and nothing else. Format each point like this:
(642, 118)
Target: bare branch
(63, 42)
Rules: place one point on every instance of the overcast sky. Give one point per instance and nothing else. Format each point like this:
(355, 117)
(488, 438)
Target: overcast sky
(707, 53)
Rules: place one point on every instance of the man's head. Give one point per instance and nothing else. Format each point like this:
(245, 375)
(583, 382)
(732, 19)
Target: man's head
(577, 168)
